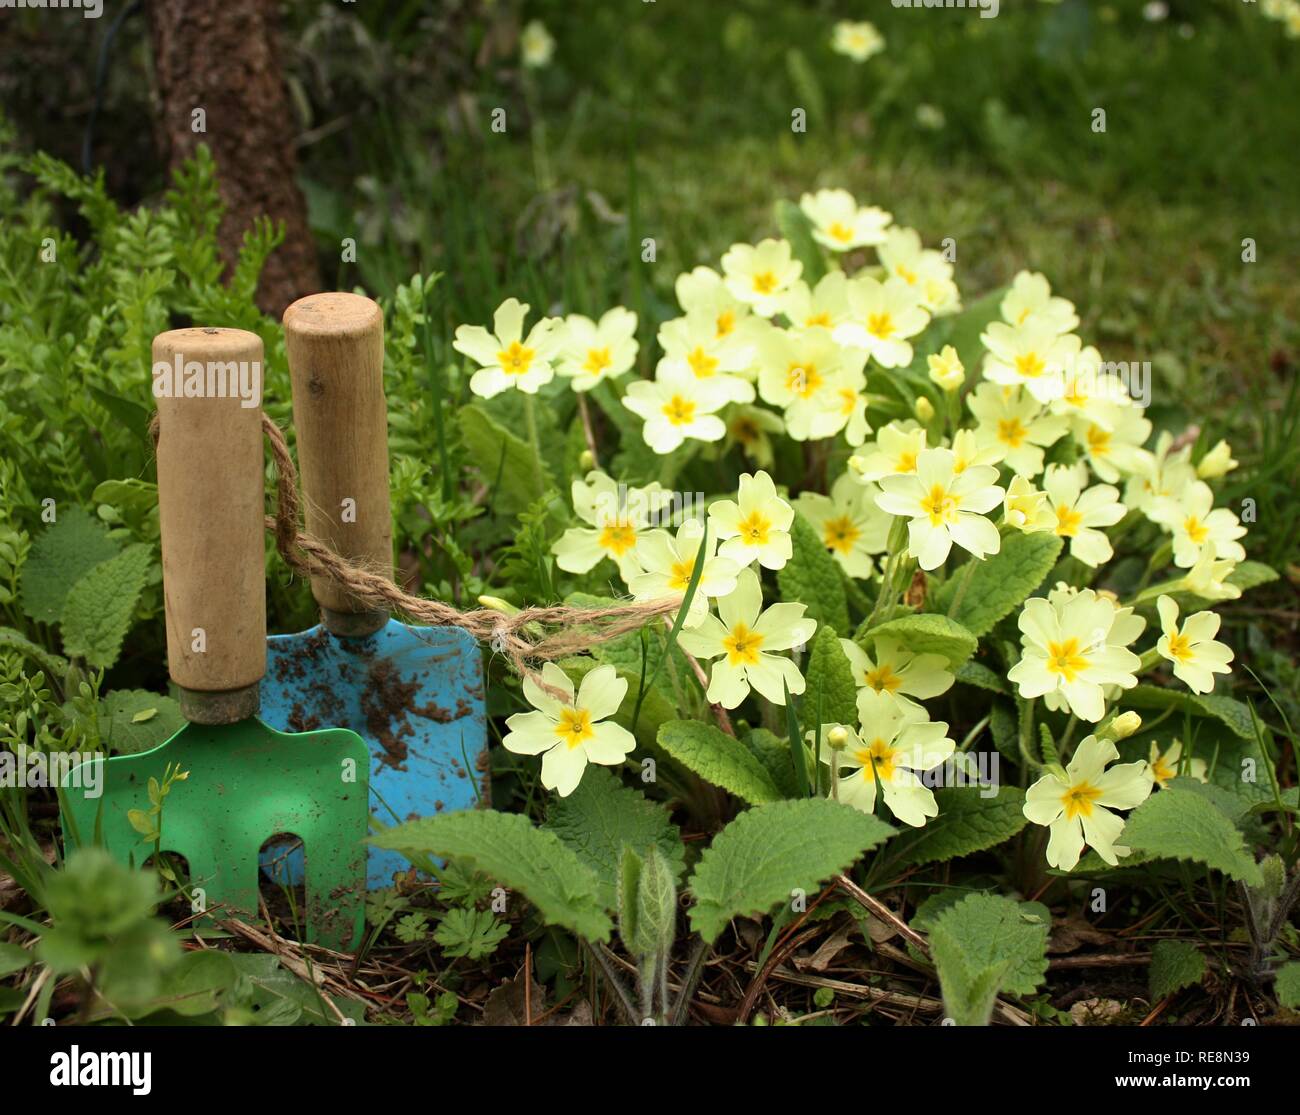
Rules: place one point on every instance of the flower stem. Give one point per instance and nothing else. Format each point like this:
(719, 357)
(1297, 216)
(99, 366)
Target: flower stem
(968, 572)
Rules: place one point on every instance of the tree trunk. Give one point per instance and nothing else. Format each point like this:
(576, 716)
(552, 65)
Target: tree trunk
(221, 56)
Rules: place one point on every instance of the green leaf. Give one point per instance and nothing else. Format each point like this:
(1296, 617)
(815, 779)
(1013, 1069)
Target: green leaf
(981, 677)
(278, 997)
(966, 327)
(774, 753)
(925, 633)
(791, 221)
(135, 720)
(1251, 574)
(1176, 824)
(602, 817)
(982, 945)
(99, 607)
(73, 545)
(770, 851)
(14, 958)
(812, 578)
(470, 933)
(649, 902)
(518, 478)
(1232, 713)
(717, 758)
(1174, 965)
(506, 845)
(967, 822)
(1288, 985)
(831, 688)
(1001, 583)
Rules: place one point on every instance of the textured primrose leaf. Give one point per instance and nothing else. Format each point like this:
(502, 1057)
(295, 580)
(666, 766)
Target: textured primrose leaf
(59, 557)
(925, 633)
(514, 473)
(1174, 965)
(967, 822)
(812, 578)
(98, 609)
(1001, 583)
(1288, 985)
(773, 752)
(770, 851)
(831, 691)
(981, 677)
(135, 720)
(602, 816)
(1230, 712)
(534, 861)
(718, 758)
(1176, 824)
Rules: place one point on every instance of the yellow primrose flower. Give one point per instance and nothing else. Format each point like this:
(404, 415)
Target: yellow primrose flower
(598, 351)
(617, 516)
(536, 45)
(806, 373)
(924, 270)
(667, 561)
(895, 745)
(755, 526)
(849, 523)
(1074, 644)
(944, 506)
(759, 275)
(1026, 508)
(1165, 766)
(1159, 475)
(1192, 648)
(890, 668)
(1030, 299)
(1076, 803)
(507, 358)
(893, 453)
(858, 41)
(1219, 461)
(840, 224)
(691, 347)
(702, 292)
(882, 317)
(677, 405)
(946, 369)
(1114, 449)
(1198, 525)
(826, 305)
(751, 428)
(1014, 423)
(1209, 577)
(1033, 356)
(1079, 512)
(744, 639)
(568, 733)
(1091, 394)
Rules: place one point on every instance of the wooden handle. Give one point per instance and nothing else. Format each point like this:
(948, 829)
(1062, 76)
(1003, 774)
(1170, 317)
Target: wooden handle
(335, 346)
(208, 386)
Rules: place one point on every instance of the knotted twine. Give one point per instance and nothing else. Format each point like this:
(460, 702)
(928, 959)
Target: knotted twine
(522, 636)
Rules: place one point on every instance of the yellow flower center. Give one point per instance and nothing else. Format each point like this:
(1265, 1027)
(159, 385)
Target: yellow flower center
(1161, 771)
(1023, 315)
(883, 679)
(906, 273)
(702, 364)
(939, 506)
(840, 534)
(1012, 432)
(764, 282)
(1066, 659)
(840, 232)
(1078, 800)
(679, 411)
(1196, 530)
(574, 727)
(618, 537)
(725, 323)
(1030, 365)
(754, 529)
(742, 646)
(598, 359)
(848, 400)
(882, 755)
(1180, 646)
(516, 359)
(880, 325)
(906, 462)
(1098, 441)
(823, 318)
(679, 578)
(802, 379)
(1068, 521)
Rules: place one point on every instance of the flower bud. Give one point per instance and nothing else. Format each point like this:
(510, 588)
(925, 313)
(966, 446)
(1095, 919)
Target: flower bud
(1216, 462)
(924, 409)
(946, 369)
(837, 738)
(586, 460)
(496, 604)
(1125, 724)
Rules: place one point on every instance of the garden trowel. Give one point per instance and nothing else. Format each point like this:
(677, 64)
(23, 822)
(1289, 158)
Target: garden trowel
(244, 783)
(414, 694)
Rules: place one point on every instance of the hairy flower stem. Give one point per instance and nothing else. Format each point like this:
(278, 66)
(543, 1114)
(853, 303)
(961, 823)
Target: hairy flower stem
(968, 571)
(530, 424)
(587, 431)
(897, 539)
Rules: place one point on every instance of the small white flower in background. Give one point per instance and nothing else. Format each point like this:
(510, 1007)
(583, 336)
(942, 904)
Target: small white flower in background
(893, 453)
(1115, 448)
(1192, 648)
(508, 359)
(677, 405)
(742, 637)
(890, 668)
(1033, 356)
(536, 46)
(751, 428)
(1165, 764)
(755, 526)
(882, 317)
(895, 745)
(925, 271)
(858, 41)
(1080, 512)
(597, 351)
(667, 561)
(848, 522)
(930, 117)
(568, 732)
(1209, 577)
(946, 369)
(692, 347)
(826, 304)
(1155, 11)
(840, 224)
(1074, 644)
(1030, 299)
(617, 514)
(760, 275)
(1198, 525)
(1026, 508)
(1219, 461)
(944, 507)
(1013, 422)
(804, 372)
(1076, 803)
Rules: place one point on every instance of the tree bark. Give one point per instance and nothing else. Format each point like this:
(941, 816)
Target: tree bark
(221, 56)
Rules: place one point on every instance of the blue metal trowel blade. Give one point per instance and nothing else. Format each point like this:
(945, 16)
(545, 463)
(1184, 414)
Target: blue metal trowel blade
(414, 694)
